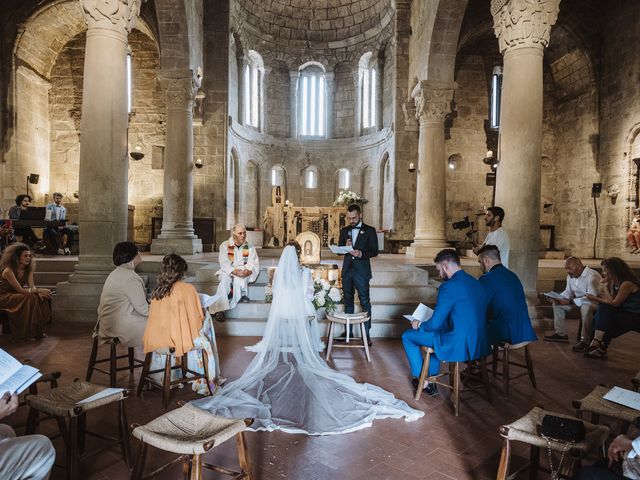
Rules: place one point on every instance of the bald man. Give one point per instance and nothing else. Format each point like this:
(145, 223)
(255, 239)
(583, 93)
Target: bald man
(239, 266)
(581, 281)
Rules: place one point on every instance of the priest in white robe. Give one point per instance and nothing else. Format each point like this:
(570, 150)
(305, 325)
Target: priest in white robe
(239, 266)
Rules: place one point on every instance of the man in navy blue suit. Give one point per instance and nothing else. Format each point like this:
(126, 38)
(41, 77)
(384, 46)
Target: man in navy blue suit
(356, 267)
(457, 331)
(508, 313)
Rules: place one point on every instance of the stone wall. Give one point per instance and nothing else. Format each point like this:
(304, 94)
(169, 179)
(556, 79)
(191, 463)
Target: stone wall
(277, 100)
(344, 103)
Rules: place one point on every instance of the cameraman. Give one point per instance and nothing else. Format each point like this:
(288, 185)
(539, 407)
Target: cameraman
(497, 234)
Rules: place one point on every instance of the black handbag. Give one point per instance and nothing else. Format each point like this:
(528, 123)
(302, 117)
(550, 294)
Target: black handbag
(562, 429)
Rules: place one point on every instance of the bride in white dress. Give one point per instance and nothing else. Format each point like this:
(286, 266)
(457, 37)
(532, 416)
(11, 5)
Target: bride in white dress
(288, 386)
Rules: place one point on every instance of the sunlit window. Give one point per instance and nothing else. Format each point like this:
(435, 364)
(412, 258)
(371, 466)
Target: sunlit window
(343, 179)
(252, 89)
(496, 93)
(312, 94)
(129, 84)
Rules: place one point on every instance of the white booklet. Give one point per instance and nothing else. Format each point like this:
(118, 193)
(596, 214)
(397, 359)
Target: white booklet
(102, 394)
(341, 250)
(555, 296)
(420, 314)
(625, 397)
(207, 300)
(14, 376)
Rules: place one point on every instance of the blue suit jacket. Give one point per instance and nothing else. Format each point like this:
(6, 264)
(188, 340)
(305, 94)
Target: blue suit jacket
(459, 322)
(508, 314)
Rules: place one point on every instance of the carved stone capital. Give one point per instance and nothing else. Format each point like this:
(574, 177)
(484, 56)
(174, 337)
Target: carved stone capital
(115, 14)
(432, 101)
(180, 92)
(523, 23)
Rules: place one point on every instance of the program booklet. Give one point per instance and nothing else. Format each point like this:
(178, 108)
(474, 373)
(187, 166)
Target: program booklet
(625, 397)
(15, 377)
(420, 314)
(341, 250)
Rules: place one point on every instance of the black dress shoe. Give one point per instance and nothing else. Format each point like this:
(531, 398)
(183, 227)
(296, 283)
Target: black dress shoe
(244, 299)
(369, 342)
(431, 389)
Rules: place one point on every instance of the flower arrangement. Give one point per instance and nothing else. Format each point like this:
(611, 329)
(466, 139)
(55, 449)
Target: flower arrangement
(268, 293)
(347, 197)
(326, 296)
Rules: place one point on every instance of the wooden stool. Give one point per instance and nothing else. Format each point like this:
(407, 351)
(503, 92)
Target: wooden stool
(596, 406)
(635, 381)
(62, 403)
(181, 363)
(112, 359)
(33, 418)
(507, 362)
(191, 432)
(454, 378)
(348, 320)
(525, 430)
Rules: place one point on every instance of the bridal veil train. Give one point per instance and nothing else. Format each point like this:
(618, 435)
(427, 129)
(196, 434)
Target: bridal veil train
(289, 387)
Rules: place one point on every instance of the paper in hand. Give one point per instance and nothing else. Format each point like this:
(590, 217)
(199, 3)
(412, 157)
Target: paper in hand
(341, 250)
(207, 300)
(555, 296)
(581, 301)
(421, 314)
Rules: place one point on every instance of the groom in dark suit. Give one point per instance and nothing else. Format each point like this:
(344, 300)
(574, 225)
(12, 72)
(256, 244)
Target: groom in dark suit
(356, 268)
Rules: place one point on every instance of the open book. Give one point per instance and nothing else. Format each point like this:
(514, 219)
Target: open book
(14, 376)
(624, 397)
(420, 314)
(555, 296)
(341, 250)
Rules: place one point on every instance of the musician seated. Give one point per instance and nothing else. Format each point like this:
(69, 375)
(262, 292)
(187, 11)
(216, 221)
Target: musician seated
(28, 235)
(61, 238)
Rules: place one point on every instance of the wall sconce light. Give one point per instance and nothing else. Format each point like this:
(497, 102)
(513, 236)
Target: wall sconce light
(198, 163)
(452, 164)
(137, 153)
(76, 195)
(612, 192)
(412, 167)
(32, 179)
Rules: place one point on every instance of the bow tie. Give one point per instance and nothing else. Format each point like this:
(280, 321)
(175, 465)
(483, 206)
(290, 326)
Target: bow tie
(355, 228)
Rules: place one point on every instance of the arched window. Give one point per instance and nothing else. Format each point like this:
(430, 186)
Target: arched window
(496, 94)
(368, 90)
(252, 89)
(343, 179)
(129, 84)
(312, 101)
(311, 177)
(277, 176)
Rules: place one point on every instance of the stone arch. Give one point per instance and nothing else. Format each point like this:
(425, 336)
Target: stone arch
(278, 178)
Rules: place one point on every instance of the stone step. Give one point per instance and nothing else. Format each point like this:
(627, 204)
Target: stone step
(56, 264)
(50, 278)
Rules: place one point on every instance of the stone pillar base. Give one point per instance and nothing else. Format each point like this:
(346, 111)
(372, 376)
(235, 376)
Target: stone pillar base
(417, 250)
(181, 246)
(77, 302)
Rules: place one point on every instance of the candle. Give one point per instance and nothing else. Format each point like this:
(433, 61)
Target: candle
(489, 154)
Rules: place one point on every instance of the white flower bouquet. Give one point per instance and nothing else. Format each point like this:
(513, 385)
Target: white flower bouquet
(326, 296)
(268, 293)
(347, 197)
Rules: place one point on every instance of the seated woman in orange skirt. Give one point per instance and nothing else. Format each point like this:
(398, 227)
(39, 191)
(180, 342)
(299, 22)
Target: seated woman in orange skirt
(176, 318)
(28, 307)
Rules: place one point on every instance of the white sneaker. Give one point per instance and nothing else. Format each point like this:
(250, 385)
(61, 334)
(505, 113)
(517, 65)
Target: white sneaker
(67, 251)
(60, 251)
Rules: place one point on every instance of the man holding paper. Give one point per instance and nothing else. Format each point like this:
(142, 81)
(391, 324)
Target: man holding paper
(30, 456)
(581, 281)
(356, 267)
(457, 331)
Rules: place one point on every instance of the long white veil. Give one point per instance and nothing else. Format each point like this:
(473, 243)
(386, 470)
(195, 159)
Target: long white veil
(288, 386)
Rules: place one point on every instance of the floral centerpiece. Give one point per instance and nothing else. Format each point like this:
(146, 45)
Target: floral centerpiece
(347, 197)
(326, 296)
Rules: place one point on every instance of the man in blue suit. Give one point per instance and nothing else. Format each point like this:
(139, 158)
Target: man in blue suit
(457, 331)
(508, 313)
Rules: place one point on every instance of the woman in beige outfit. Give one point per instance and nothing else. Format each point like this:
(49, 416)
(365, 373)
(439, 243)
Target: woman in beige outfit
(123, 308)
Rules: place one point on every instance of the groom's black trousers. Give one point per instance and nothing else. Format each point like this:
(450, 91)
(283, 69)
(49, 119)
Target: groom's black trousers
(352, 283)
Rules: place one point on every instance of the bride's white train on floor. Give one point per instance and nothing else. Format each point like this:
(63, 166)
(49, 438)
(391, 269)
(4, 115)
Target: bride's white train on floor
(289, 387)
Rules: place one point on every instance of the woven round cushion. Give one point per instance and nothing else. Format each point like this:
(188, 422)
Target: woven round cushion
(594, 403)
(63, 400)
(188, 430)
(354, 319)
(525, 430)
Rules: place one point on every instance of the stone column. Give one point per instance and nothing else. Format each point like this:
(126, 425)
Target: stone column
(104, 162)
(294, 76)
(432, 102)
(330, 80)
(357, 118)
(523, 31)
(241, 80)
(177, 207)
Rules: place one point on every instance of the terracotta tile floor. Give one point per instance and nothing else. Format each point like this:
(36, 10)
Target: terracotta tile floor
(437, 447)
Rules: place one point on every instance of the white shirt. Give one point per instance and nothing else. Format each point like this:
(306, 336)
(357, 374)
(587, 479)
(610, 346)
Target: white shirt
(500, 239)
(354, 233)
(587, 283)
(631, 464)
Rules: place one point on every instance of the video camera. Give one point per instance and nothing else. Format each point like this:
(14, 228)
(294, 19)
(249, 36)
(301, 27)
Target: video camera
(462, 224)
